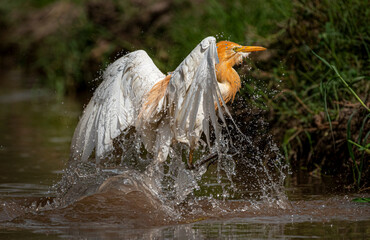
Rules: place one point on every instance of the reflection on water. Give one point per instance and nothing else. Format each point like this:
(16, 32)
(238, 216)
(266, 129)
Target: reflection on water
(34, 142)
(36, 129)
(114, 214)
(215, 230)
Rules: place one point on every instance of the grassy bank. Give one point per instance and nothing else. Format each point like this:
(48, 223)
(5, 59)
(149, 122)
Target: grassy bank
(312, 84)
(327, 90)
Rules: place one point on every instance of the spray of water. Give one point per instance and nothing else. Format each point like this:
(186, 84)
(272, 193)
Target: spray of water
(247, 168)
(245, 164)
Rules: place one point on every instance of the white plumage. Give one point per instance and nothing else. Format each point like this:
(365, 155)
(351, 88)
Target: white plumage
(186, 109)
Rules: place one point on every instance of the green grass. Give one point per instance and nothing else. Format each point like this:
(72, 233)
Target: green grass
(344, 82)
(335, 31)
(329, 46)
(363, 147)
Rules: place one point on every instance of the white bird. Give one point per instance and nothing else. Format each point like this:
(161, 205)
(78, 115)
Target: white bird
(163, 109)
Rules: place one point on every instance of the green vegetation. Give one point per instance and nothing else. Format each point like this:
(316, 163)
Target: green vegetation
(71, 53)
(361, 200)
(328, 80)
(313, 83)
(358, 161)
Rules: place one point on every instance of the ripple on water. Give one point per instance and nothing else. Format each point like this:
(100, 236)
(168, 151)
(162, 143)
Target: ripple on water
(124, 202)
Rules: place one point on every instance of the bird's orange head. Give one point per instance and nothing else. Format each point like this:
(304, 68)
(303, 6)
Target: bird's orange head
(234, 53)
(230, 54)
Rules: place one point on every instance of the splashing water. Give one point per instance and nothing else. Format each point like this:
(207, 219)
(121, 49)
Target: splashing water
(247, 168)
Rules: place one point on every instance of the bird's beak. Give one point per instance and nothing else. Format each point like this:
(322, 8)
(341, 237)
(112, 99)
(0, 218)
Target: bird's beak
(249, 49)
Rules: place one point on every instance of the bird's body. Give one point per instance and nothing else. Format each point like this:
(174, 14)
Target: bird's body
(163, 109)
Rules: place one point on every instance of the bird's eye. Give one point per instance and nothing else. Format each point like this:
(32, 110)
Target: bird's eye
(235, 49)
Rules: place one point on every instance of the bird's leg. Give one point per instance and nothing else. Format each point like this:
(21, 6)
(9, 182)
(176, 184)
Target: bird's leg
(190, 159)
(209, 159)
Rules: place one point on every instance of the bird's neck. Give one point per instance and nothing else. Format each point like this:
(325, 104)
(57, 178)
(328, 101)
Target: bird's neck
(228, 80)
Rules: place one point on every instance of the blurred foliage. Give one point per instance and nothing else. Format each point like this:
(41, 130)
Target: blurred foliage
(70, 54)
(69, 43)
(236, 21)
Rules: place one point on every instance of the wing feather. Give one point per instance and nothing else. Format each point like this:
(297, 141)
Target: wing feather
(193, 93)
(114, 105)
(186, 110)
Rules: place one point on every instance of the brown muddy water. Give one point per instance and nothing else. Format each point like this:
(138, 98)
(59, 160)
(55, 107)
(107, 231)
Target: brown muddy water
(35, 133)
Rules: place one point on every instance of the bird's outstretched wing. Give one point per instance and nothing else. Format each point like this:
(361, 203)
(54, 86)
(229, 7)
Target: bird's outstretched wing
(194, 94)
(190, 101)
(114, 105)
